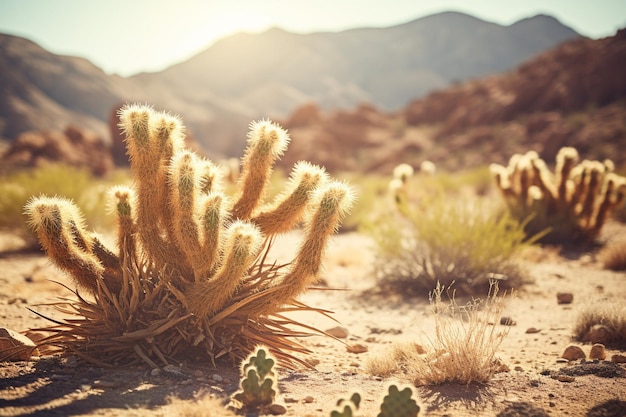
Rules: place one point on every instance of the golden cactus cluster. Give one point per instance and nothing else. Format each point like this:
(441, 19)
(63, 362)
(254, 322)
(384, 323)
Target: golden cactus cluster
(570, 205)
(190, 272)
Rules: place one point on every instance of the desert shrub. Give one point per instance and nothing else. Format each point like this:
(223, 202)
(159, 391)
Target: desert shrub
(464, 347)
(571, 204)
(76, 184)
(602, 321)
(613, 256)
(190, 276)
(445, 238)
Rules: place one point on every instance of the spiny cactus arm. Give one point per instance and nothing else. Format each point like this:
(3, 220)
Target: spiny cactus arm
(566, 159)
(210, 177)
(612, 196)
(123, 199)
(242, 243)
(399, 403)
(590, 199)
(289, 206)
(50, 217)
(329, 206)
(213, 220)
(184, 184)
(151, 137)
(266, 142)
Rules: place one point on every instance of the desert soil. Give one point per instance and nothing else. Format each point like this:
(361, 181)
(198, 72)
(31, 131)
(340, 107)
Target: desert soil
(59, 386)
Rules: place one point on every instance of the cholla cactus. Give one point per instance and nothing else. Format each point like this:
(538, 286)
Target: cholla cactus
(570, 205)
(258, 385)
(190, 270)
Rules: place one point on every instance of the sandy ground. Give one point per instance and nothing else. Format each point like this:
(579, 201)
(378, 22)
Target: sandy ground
(60, 386)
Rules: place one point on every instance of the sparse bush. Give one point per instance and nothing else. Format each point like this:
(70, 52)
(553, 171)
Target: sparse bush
(613, 256)
(602, 321)
(571, 205)
(445, 238)
(190, 276)
(75, 184)
(464, 349)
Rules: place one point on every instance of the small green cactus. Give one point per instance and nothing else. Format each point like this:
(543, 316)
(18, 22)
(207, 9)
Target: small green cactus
(347, 408)
(399, 403)
(258, 386)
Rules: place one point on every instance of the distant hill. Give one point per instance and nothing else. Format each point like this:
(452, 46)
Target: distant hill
(571, 95)
(242, 77)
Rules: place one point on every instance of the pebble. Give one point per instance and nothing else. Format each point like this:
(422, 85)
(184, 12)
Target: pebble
(198, 373)
(308, 399)
(217, 378)
(173, 370)
(618, 358)
(597, 352)
(313, 361)
(357, 348)
(290, 400)
(532, 330)
(15, 346)
(276, 409)
(338, 332)
(573, 353)
(155, 372)
(564, 297)
(565, 378)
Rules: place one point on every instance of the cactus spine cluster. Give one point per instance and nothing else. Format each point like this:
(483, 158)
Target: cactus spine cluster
(190, 266)
(569, 205)
(258, 385)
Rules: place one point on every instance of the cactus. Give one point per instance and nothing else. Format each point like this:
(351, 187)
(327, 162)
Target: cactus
(399, 403)
(570, 205)
(347, 408)
(190, 270)
(258, 386)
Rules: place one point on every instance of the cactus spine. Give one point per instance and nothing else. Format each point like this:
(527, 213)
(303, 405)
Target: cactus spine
(190, 267)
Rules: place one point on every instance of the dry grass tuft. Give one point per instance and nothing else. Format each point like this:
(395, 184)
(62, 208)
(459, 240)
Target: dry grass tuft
(463, 350)
(613, 256)
(203, 406)
(602, 321)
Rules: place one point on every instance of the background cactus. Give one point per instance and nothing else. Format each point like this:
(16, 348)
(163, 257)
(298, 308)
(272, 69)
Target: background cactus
(258, 386)
(190, 270)
(399, 403)
(569, 205)
(347, 408)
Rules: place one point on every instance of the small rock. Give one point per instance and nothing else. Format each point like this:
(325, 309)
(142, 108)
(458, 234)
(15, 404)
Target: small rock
(308, 399)
(564, 297)
(312, 361)
(519, 369)
(565, 378)
(597, 352)
(276, 409)
(290, 400)
(173, 370)
(15, 346)
(598, 333)
(217, 378)
(198, 373)
(357, 348)
(507, 321)
(573, 353)
(338, 332)
(618, 358)
(155, 372)
(532, 330)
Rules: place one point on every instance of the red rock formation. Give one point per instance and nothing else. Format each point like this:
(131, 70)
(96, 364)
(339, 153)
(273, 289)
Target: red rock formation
(73, 146)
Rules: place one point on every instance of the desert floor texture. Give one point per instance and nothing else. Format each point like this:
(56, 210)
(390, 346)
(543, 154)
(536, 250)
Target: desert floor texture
(60, 386)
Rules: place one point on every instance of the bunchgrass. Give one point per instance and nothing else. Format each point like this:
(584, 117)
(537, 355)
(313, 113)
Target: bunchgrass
(613, 256)
(463, 349)
(447, 239)
(610, 313)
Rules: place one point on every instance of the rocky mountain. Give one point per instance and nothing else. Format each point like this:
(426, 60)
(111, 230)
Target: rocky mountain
(245, 76)
(571, 95)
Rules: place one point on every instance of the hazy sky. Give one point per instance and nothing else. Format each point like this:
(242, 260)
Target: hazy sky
(130, 36)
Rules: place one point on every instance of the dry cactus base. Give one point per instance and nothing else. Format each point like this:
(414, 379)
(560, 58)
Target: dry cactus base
(190, 275)
(568, 206)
